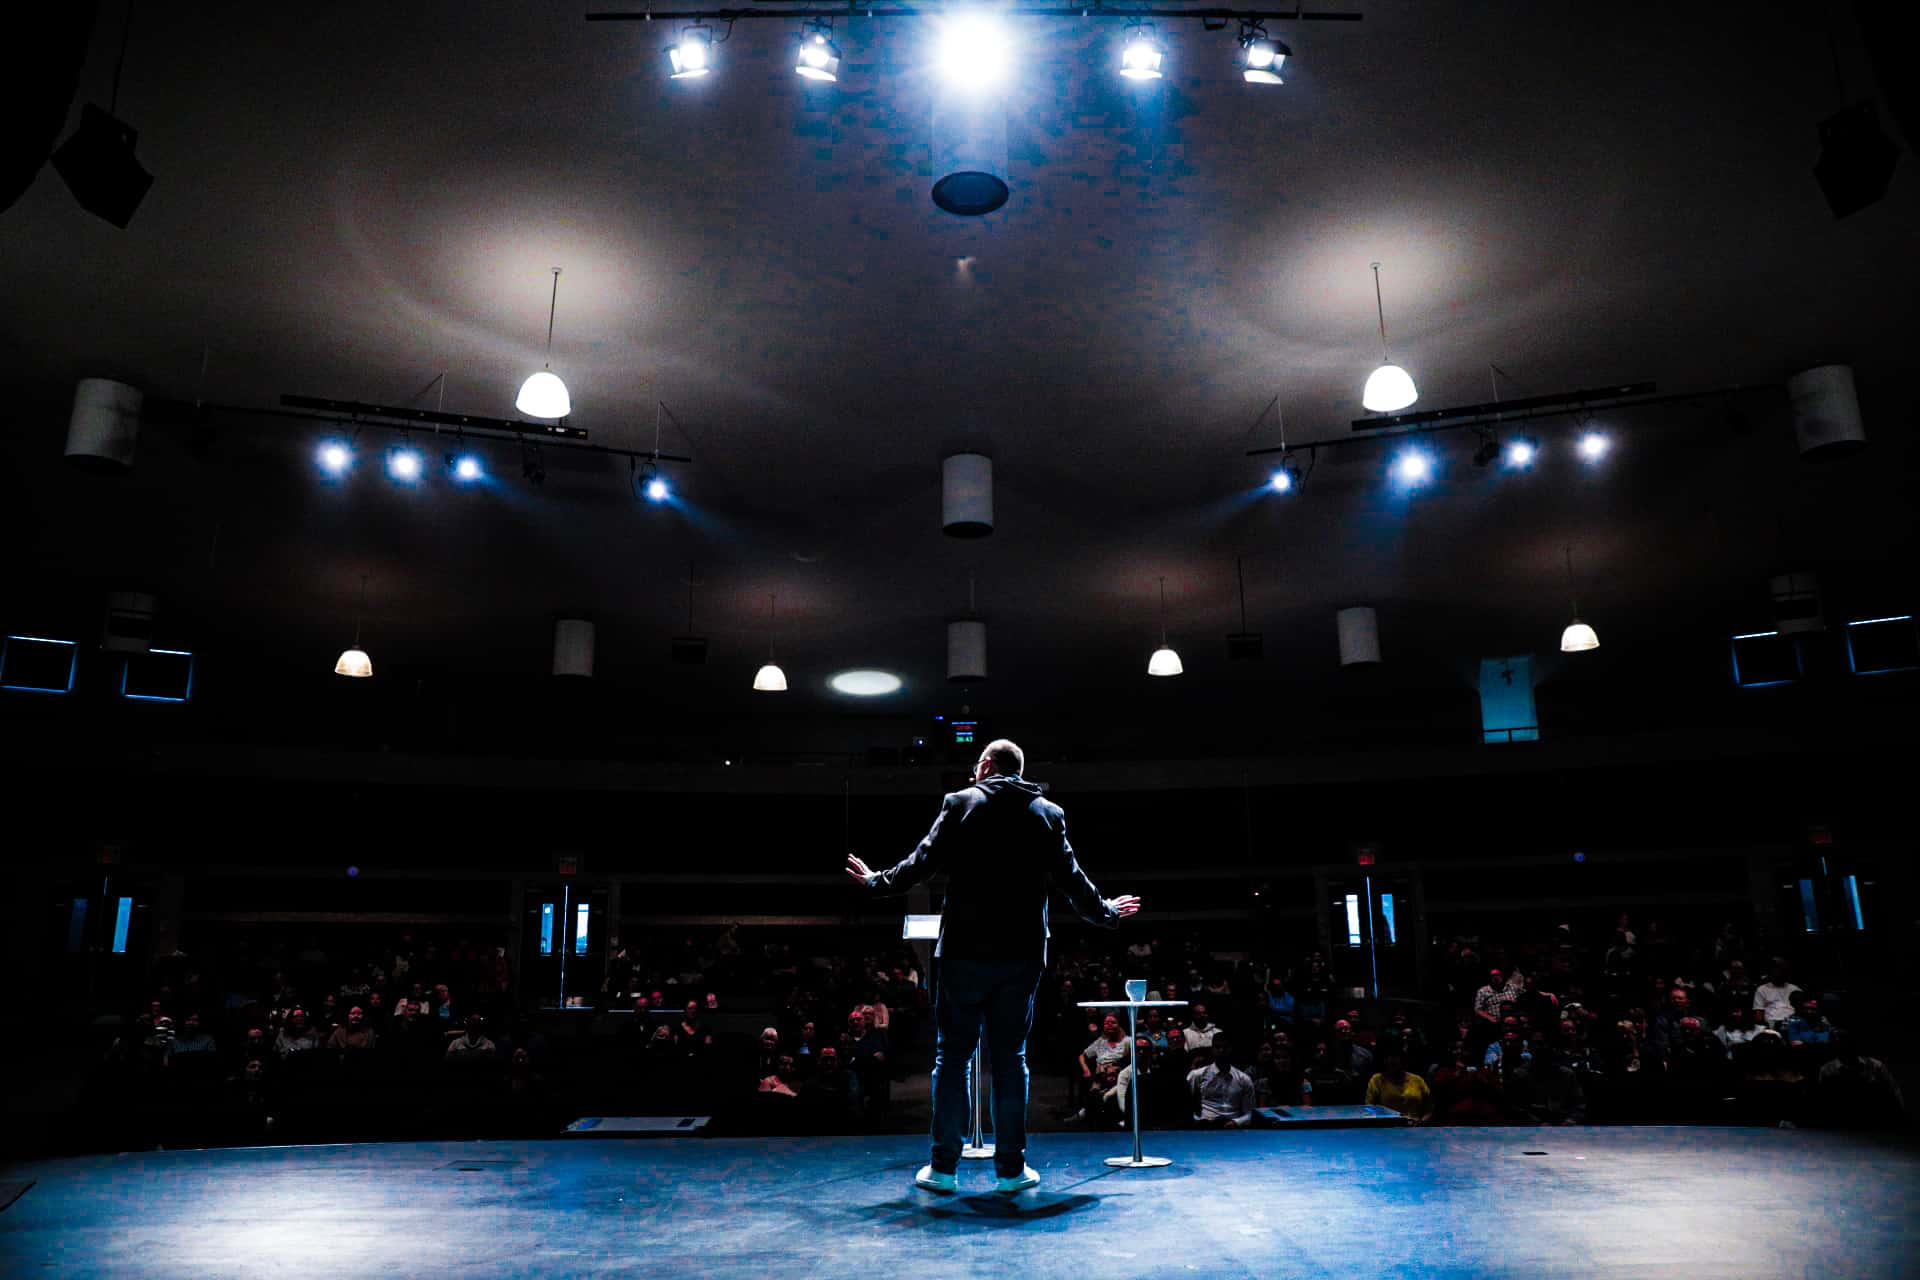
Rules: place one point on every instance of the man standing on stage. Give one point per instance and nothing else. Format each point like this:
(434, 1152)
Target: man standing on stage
(1000, 843)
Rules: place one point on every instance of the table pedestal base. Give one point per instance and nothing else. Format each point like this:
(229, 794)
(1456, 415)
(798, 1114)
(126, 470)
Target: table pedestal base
(1138, 1162)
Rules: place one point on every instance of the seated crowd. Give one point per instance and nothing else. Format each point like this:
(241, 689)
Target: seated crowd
(1547, 1032)
(768, 1036)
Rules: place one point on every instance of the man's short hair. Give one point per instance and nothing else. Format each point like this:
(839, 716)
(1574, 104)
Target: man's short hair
(1007, 757)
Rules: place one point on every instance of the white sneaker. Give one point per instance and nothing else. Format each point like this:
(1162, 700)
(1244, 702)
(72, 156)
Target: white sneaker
(1027, 1178)
(932, 1181)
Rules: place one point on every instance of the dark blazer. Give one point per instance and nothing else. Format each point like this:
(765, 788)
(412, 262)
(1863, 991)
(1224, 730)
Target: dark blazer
(1000, 844)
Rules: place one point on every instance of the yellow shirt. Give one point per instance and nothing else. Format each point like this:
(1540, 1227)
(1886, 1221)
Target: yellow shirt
(1411, 1097)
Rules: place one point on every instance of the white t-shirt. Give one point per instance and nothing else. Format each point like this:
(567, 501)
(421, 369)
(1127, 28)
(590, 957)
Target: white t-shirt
(1776, 999)
(1199, 1038)
(1104, 1051)
(1221, 1095)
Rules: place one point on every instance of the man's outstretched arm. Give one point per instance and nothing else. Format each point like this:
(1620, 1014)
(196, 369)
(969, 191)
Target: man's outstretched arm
(1079, 890)
(912, 869)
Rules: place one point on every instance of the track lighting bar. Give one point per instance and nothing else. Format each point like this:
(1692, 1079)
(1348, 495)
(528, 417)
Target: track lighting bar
(430, 417)
(1503, 408)
(859, 11)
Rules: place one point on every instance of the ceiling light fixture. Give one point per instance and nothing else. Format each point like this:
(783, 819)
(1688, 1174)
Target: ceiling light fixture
(466, 468)
(770, 678)
(1578, 637)
(1263, 55)
(974, 50)
(1413, 466)
(690, 56)
(334, 457)
(353, 660)
(1164, 662)
(1521, 452)
(865, 683)
(1389, 388)
(1286, 478)
(405, 464)
(1140, 53)
(543, 395)
(818, 57)
(1594, 446)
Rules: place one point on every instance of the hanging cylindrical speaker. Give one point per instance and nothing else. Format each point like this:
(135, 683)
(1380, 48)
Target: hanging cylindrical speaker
(966, 495)
(1826, 413)
(105, 425)
(573, 647)
(969, 152)
(1359, 635)
(966, 650)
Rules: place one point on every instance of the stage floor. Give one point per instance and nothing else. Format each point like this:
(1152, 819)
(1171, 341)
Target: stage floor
(1339, 1203)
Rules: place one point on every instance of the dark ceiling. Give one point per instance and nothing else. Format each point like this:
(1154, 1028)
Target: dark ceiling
(355, 198)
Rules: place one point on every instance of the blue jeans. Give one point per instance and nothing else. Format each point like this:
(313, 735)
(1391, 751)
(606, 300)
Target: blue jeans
(971, 996)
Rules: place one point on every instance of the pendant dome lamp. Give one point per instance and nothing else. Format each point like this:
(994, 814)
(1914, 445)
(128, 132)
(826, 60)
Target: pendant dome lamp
(353, 660)
(1389, 388)
(1578, 637)
(543, 395)
(1164, 662)
(769, 678)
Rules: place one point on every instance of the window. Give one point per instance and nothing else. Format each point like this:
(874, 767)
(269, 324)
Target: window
(1765, 658)
(77, 926)
(1876, 645)
(122, 918)
(158, 675)
(1809, 909)
(1506, 700)
(1353, 919)
(546, 928)
(580, 930)
(35, 664)
(1386, 918)
(1853, 902)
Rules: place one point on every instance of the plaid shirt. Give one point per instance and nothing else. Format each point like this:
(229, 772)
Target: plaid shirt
(1493, 1000)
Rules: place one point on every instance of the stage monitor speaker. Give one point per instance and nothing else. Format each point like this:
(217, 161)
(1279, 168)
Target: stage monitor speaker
(1856, 159)
(98, 165)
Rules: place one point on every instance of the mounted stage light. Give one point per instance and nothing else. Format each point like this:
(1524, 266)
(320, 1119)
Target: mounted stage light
(650, 484)
(405, 464)
(466, 468)
(1140, 53)
(1262, 54)
(974, 51)
(1520, 453)
(543, 395)
(1286, 479)
(1389, 388)
(1413, 467)
(691, 54)
(865, 683)
(818, 57)
(1594, 446)
(334, 457)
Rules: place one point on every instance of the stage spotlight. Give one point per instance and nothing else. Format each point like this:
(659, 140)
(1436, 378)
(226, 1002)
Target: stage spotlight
(1520, 453)
(334, 457)
(818, 57)
(1285, 480)
(1263, 55)
(466, 468)
(691, 53)
(1141, 54)
(404, 464)
(654, 485)
(974, 51)
(1594, 446)
(1413, 467)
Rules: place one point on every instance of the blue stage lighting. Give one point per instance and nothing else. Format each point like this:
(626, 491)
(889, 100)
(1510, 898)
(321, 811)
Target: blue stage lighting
(1413, 467)
(334, 457)
(466, 468)
(974, 50)
(1594, 446)
(1520, 452)
(404, 464)
(657, 490)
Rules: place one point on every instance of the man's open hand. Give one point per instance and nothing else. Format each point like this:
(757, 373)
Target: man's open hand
(858, 869)
(1125, 905)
